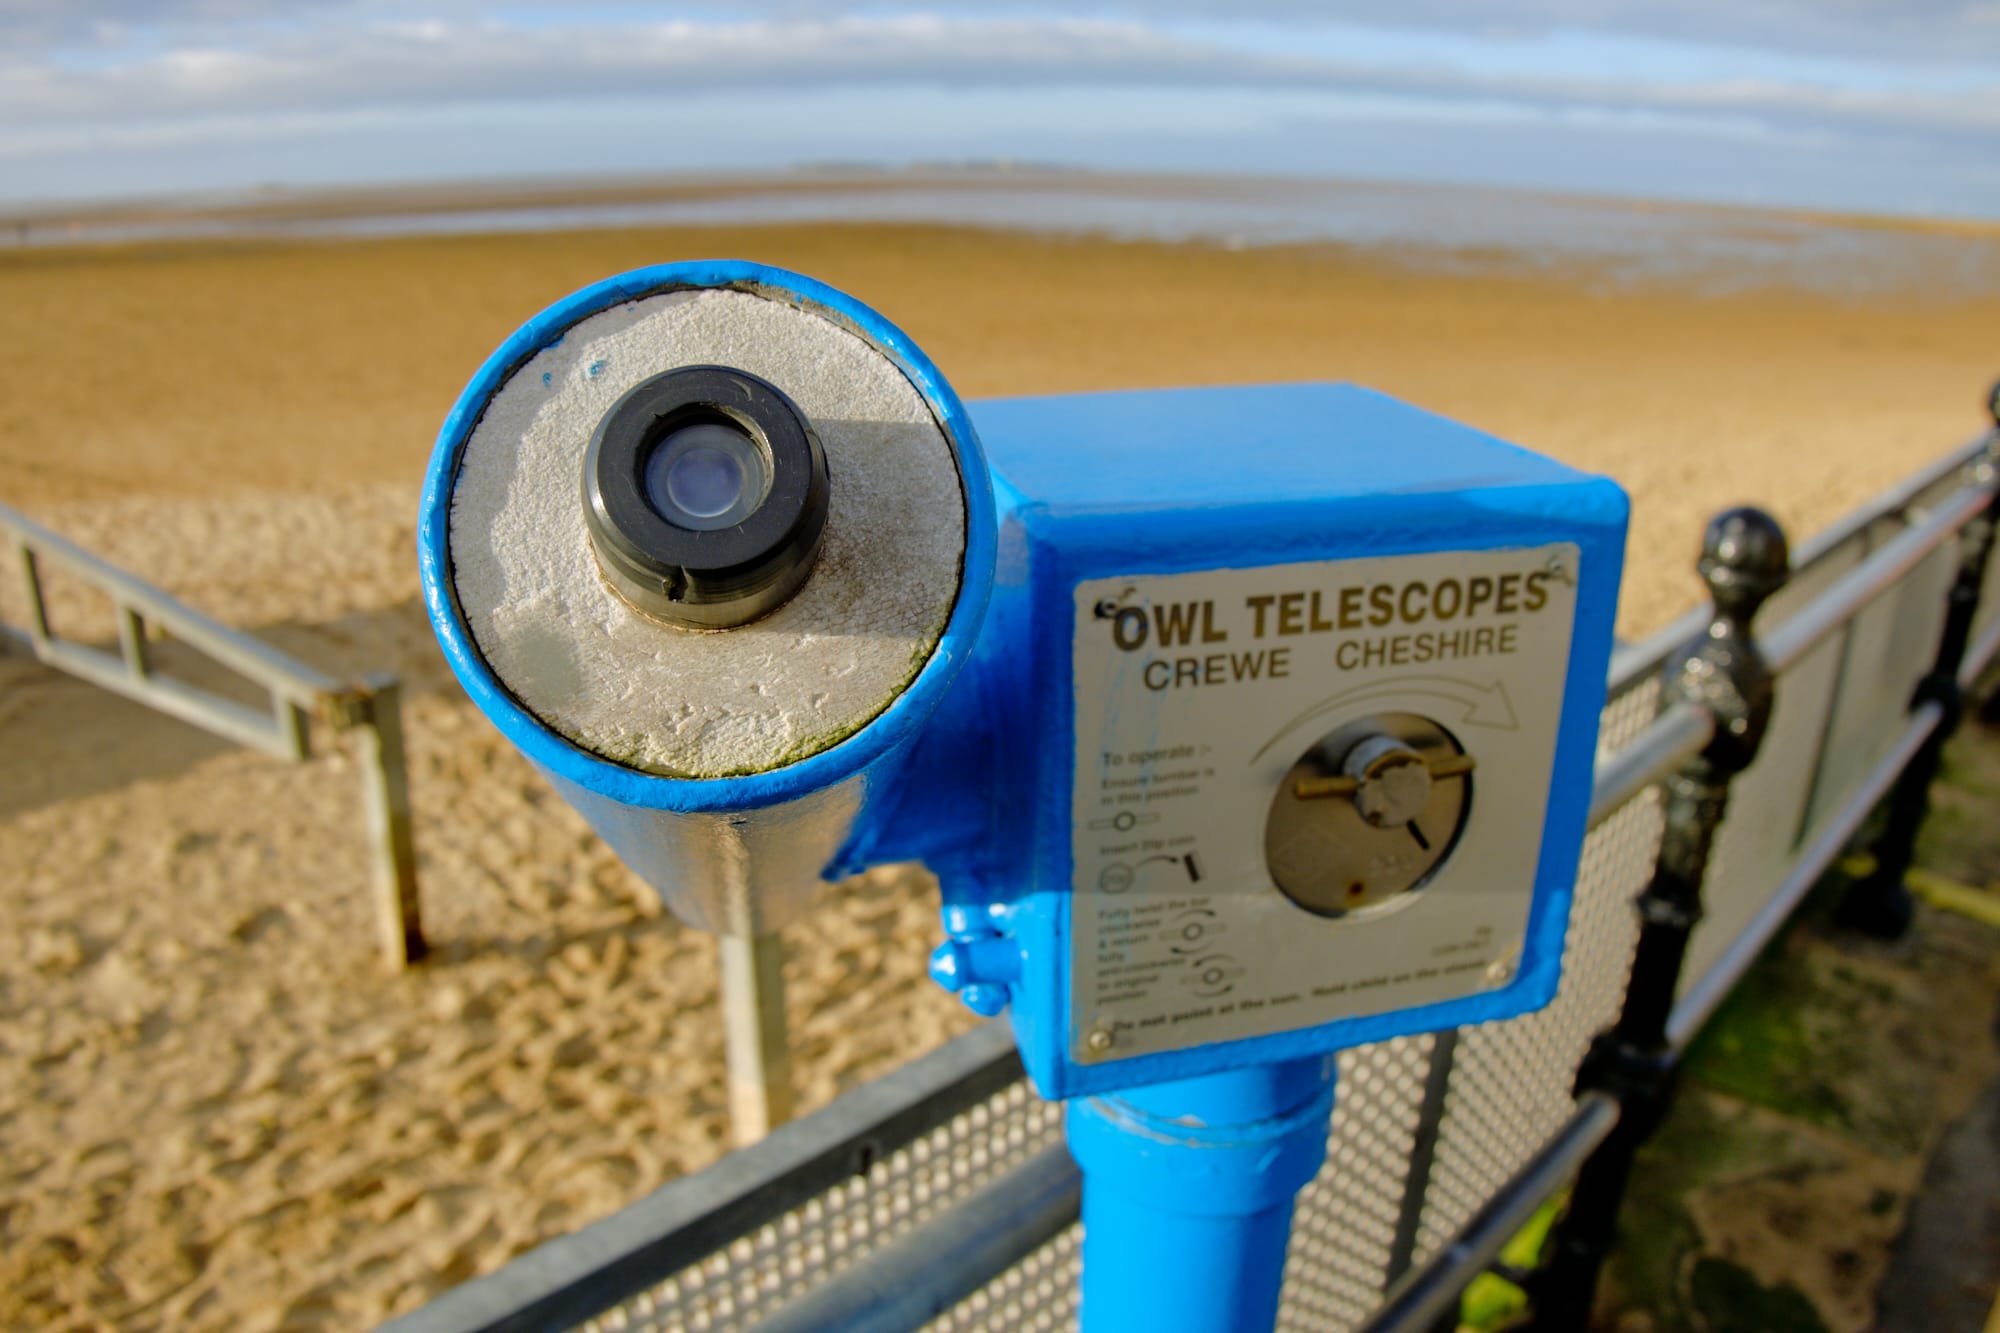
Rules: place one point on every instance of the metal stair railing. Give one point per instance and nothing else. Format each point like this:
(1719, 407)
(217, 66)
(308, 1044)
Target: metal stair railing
(367, 712)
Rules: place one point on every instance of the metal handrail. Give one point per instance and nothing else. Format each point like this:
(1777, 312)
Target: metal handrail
(1631, 661)
(903, 1287)
(1426, 1294)
(1683, 728)
(1892, 500)
(294, 687)
(251, 657)
(368, 711)
(567, 1280)
(1674, 736)
(1852, 593)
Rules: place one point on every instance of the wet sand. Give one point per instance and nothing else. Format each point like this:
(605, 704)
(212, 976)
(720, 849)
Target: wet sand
(215, 1110)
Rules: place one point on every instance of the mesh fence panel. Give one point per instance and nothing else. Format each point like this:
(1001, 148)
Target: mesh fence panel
(758, 1273)
(1510, 1082)
(1037, 1295)
(1344, 1225)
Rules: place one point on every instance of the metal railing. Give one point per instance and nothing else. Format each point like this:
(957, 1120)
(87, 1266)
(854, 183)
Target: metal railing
(297, 697)
(739, 1205)
(1441, 1147)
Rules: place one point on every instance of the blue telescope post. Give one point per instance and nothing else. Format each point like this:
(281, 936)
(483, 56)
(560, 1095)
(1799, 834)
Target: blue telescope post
(1187, 1194)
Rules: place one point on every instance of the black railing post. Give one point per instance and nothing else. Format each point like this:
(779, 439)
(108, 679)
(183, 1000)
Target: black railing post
(1880, 905)
(1744, 560)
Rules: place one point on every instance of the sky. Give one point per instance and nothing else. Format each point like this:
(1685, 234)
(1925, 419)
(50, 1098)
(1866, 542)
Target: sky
(1886, 106)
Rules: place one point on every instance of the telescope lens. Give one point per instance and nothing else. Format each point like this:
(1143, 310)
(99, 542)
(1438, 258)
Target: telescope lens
(706, 492)
(706, 476)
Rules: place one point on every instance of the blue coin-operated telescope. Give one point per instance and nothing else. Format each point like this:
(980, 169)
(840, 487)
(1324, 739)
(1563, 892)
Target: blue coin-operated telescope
(1240, 725)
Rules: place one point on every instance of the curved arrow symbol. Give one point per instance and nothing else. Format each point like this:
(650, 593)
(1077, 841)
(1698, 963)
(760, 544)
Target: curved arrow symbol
(1477, 705)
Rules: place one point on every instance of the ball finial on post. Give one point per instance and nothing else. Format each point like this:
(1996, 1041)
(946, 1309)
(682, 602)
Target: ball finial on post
(1744, 559)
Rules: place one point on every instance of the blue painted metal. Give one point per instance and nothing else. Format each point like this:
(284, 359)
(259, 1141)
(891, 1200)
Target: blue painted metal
(1187, 1195)
(1095, 484)
(1191, 1168)
(795, 818)
(1166, 481)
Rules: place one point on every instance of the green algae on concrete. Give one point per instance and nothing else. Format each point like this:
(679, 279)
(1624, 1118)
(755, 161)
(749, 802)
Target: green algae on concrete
(1728, 1299)
(1801, 1034)
(1775, 1191)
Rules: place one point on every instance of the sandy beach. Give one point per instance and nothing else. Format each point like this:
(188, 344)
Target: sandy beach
(218, 1112)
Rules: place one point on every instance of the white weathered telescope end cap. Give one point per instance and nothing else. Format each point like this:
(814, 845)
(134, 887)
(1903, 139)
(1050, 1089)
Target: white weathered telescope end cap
(691, 703)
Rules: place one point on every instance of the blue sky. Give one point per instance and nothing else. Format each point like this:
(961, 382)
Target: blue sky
(1876, 105)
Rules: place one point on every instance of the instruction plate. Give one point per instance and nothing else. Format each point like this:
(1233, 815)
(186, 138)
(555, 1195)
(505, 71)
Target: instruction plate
(1196, 693)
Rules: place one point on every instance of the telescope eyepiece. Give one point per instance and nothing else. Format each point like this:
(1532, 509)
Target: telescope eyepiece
(705, 491)
(707, 475)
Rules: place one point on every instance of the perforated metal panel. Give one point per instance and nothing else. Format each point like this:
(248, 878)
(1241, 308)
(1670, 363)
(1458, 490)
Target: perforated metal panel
(1037, 1295)
(1510, 1082)
(1889, 647)
(757, 1273)
(1344, 1225)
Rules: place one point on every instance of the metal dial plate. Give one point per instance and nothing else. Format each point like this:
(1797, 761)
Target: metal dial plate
(1325, 851)
(1208, 905)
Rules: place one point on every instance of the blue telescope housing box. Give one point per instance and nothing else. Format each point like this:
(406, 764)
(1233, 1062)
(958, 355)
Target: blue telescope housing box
(1262, 725)
(1207, 601)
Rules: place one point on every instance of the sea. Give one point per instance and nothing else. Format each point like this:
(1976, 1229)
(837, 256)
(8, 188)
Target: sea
(1615, 241)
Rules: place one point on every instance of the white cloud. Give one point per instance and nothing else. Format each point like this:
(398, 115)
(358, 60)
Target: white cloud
(401, 63)
(395, 63)
(101, 94)
(1949, 31)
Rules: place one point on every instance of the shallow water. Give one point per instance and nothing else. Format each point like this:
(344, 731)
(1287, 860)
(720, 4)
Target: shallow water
(1430, 226)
